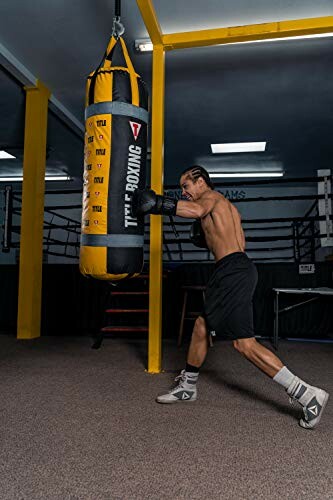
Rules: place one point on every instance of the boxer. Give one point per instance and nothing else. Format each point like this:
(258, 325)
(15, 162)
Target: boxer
(228, 308)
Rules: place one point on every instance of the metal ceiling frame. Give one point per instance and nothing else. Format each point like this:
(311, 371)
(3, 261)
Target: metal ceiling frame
(166, 42)
(248, 33)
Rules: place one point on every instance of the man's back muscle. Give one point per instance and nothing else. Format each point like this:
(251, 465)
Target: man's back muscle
(222, 227)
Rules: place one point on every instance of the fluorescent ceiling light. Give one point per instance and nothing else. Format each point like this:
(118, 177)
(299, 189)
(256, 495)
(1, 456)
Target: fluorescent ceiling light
(143, 45)
(17, 178)
(238, 147)
(246, 174)
(300, 37)
(58, 178)
(5, 156)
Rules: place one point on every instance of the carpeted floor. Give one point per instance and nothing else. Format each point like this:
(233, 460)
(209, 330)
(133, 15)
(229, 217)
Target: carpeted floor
(78, 423)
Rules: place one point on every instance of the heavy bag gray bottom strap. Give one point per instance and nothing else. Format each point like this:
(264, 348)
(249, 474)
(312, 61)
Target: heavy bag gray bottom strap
(112, 240)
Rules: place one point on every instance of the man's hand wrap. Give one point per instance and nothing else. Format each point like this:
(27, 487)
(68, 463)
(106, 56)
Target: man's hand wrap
(146, 201)
(197, 235)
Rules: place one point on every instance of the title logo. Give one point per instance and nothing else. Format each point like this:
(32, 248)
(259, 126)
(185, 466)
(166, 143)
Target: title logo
(136, 127)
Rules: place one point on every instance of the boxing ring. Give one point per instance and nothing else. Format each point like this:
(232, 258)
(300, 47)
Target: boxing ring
(294, 238)
(61, 232)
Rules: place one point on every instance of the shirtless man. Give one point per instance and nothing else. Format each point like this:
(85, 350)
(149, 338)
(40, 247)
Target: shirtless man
(228, 308)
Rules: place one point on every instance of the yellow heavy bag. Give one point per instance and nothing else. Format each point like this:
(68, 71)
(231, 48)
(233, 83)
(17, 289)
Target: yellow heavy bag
(114, 166)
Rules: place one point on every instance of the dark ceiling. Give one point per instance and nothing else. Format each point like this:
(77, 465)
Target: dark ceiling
(279, 92)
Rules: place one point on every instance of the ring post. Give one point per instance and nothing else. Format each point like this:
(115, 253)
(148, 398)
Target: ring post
(32, 215)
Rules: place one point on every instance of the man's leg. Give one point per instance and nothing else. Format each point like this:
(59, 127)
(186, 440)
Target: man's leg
(186, 389)
(263, 358)
(311, 398)
(199, 344)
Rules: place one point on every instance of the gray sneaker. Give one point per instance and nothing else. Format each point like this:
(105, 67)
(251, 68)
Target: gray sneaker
(184, 392)
(312, 399)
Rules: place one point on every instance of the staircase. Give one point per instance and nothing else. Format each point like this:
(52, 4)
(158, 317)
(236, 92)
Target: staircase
(129, 309)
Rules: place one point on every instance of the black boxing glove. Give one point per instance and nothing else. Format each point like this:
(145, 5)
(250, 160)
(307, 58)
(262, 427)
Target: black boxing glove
(197, 235)
(146, 201)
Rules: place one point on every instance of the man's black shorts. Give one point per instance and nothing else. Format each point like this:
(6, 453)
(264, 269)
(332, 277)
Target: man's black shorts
(228, 308)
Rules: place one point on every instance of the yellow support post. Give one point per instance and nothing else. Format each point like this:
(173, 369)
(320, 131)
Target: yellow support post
(32, 214)
(156, 221)
(251, 32)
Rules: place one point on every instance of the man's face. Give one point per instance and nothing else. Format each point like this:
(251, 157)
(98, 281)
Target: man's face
(190, 190)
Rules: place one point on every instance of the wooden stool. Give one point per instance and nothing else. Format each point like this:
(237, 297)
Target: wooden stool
(190, 314)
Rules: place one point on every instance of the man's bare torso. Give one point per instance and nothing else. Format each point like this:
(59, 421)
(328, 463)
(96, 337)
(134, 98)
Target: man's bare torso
(222, 227)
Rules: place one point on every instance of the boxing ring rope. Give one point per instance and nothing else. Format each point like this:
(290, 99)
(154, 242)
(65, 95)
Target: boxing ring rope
(314, 235)
(298, 235)
(260, 182)
(13, 200)
(300, 231)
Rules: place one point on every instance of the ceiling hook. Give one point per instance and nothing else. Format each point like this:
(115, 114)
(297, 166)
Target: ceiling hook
(118, 28)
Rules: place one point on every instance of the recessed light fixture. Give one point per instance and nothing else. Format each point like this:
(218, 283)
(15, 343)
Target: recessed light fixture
(300, 37)
(6, 156)
(238, 147)
(18, 178)
(246, 174)
(143, 45)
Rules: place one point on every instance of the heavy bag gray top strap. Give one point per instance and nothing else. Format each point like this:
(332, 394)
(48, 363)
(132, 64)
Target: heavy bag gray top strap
(112, 240)
(117, 108)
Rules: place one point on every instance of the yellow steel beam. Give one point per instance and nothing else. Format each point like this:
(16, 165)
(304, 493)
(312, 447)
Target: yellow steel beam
(32, 213)
(251, 32)
(150, 19)
(156, 222)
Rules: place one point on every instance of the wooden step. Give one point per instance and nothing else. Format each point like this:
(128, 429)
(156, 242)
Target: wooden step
(127, 310)
(146, 276)
(124, 329)
(129, 293)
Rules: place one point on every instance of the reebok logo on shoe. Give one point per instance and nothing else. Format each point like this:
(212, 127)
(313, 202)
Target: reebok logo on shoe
(185, 395)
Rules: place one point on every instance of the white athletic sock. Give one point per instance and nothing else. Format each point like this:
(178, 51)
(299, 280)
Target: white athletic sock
(284, 377)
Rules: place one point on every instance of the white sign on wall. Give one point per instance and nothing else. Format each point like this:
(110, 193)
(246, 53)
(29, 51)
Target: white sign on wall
(306, 269)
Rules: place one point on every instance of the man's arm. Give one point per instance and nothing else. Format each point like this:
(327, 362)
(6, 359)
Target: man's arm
(146, 201)
(195, 209)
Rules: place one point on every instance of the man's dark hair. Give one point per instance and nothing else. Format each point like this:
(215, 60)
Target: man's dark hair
(197, 171)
